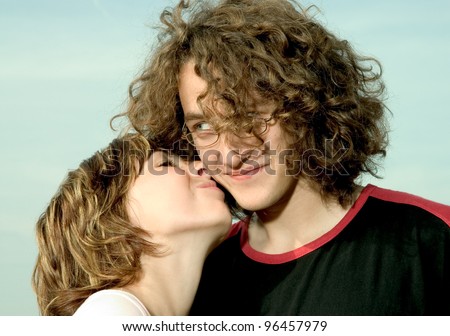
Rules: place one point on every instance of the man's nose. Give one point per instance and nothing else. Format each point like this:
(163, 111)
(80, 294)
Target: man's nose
(230, 152)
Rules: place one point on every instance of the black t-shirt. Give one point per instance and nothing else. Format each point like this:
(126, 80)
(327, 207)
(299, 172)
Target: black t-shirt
(390, 255)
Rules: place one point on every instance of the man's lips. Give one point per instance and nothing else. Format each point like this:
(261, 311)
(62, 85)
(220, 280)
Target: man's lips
(245, 173)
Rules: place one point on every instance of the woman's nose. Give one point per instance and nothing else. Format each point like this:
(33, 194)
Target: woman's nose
(196, 168)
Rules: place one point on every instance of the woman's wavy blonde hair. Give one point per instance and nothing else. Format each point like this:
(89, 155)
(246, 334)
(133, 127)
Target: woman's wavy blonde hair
(86, 242)
(329, 98)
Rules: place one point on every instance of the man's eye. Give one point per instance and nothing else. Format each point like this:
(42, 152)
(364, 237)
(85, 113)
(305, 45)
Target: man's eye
(203, 127)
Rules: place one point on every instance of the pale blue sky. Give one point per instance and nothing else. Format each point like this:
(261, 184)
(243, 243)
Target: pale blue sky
(65, 67)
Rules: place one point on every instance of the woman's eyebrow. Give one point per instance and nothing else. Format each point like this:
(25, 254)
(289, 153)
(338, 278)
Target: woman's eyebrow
(167, 154)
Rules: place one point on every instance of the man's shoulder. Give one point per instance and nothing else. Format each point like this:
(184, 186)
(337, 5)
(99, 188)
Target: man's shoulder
(403, 203)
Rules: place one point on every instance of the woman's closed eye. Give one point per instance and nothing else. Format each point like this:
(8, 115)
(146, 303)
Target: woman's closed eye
(167, 162)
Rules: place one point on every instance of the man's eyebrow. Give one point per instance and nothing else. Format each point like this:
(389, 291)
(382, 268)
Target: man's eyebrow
(193, 116)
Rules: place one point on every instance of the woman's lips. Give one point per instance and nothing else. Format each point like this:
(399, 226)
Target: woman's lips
(209, 184)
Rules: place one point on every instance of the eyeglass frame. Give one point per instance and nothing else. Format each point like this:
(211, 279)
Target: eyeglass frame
(186, 132)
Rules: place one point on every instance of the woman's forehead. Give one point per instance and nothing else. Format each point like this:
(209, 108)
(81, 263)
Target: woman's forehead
(157, 156)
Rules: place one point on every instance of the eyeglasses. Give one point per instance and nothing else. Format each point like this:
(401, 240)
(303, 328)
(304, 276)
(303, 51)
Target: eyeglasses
(202, 134)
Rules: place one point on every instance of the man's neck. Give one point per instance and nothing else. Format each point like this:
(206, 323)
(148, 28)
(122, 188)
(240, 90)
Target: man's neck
(296, 221)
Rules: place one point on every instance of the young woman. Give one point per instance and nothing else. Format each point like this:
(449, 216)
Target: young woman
(127, 234)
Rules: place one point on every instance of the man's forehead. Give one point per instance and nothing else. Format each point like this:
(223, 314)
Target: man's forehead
(262, 106)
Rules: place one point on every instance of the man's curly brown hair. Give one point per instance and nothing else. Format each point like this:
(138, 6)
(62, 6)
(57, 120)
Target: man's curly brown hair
(329, 98)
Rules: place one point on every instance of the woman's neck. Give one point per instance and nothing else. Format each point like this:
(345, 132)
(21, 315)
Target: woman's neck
(169, 282)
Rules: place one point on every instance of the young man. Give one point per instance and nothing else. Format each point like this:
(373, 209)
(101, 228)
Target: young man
(286, 117)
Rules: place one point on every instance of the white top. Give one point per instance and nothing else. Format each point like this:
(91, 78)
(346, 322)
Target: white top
(112, 302)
